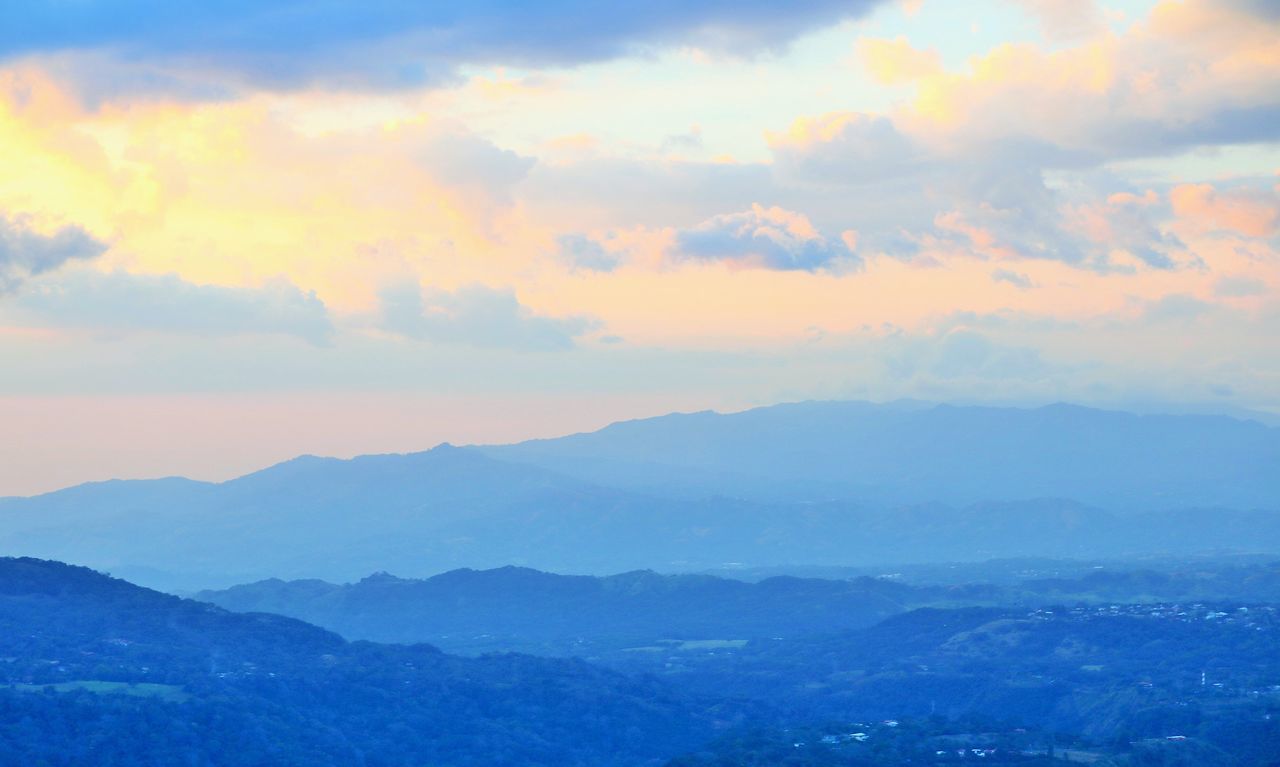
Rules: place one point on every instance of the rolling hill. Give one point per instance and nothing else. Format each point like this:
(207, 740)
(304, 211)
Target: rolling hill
(521, 609)
(98, 671)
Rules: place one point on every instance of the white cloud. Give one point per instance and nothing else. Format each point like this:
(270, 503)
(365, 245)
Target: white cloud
(768, 238)
(119, 301)
(476, 315)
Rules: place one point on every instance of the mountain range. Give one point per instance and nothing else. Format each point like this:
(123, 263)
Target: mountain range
(610, 619)
(912, 453)
(813, 483)
(519, 609)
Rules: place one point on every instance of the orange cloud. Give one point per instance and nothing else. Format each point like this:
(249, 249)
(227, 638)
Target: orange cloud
(982, 239)
(235, 194)
(1170, 81)
(1250, 214)
(895, 61)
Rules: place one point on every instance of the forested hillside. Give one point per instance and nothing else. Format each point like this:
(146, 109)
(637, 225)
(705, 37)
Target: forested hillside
(98, 671)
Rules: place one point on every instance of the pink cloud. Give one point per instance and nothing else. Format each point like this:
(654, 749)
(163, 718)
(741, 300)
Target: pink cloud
(1253, 213)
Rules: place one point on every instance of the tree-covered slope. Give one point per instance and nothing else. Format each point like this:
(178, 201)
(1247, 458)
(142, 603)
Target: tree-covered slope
(96, 670)
(523, 609)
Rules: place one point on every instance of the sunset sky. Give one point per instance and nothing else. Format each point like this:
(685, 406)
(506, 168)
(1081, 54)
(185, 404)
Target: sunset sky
(235, 232)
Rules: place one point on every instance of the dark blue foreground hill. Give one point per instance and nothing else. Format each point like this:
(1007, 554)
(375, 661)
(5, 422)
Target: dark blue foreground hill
(98, 671)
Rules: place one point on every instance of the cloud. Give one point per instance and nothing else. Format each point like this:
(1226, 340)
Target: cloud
(25, 252)
(581, 252)
(962, 353)
(1007, 157)
(1251, 212)
(615, 192)
(1239, 286)
(1123, 222)
(967, 353)
(846, 147)
(895, 61)
(906, 195)
(683, 142)
(768, 238)
(1066, 19)
(476, 315)
(1192, 73)
(1176, 307)
(1267, 9)
(1016, 279)
(389, 43)
(241, 192)
(119, 300)
(1021, 217)
(473, 165)
(855, 171)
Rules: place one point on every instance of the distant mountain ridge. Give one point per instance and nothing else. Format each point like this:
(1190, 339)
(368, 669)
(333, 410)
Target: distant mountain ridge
(814, 483)
(918, 453)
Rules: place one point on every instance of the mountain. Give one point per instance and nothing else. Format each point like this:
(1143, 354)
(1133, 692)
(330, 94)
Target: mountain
(95, 670)
(521, 609)
(815, 484)
(919, 453)
(608, 619)
(308, 516)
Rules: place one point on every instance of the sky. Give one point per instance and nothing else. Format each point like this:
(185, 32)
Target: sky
(235, 232)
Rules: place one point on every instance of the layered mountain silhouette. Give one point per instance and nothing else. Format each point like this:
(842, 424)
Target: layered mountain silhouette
(610, 619)
(815, 483)
(94, 670)
(516, 608)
